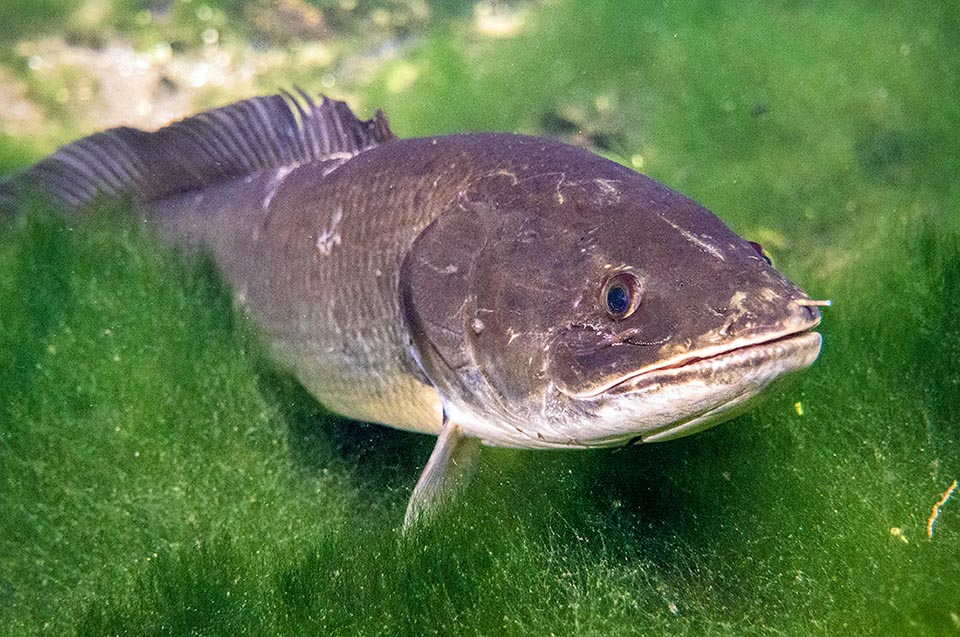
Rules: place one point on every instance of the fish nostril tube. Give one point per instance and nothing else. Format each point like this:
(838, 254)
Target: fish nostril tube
(813, 302)
(809, 307)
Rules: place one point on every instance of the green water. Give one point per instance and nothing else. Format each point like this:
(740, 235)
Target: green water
(159, 476)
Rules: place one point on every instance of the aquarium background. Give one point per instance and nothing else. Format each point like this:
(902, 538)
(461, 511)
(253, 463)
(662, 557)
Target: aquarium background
(158, 475)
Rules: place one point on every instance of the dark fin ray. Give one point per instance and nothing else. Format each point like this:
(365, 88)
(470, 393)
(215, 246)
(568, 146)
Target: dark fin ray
(262, 133)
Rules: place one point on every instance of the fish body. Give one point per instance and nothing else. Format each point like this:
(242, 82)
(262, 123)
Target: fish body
(486, 288)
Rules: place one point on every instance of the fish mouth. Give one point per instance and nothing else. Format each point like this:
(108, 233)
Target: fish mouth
(737, 373)
(795, 350)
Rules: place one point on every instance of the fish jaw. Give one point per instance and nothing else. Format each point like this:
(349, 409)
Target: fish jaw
(676, 401)
(656, 405)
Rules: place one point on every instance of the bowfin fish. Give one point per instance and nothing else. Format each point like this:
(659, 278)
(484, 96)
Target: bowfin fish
(490, 289)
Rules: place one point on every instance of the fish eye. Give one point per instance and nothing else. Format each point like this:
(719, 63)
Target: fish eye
(621, 295)
(763, 253)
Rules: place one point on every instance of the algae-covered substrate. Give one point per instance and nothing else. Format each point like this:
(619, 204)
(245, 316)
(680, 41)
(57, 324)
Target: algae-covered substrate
(159, 476)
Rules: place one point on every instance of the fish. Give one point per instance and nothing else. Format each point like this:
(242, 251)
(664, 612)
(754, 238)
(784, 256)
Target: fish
(490, 289)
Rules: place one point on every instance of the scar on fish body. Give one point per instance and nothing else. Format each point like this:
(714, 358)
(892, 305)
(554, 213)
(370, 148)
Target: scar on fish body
(516, 291)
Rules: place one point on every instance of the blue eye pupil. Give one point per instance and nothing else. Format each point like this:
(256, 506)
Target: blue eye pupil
(618, 299)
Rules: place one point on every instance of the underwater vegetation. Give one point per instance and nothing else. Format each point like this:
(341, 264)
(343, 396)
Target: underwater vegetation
(159, 476)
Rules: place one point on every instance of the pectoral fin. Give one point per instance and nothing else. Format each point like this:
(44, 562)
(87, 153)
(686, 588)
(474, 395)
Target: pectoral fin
(449, 469)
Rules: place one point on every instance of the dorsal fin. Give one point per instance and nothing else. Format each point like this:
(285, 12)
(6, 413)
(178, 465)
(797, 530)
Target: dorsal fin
(260, 133)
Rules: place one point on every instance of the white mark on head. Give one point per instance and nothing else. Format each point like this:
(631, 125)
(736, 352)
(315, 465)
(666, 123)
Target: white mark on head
(695, 240)
(445, 270)
(477, 326)
(609, 191)
(735, 304)
(329, 237)
(560, 197)
(769, 295)
(505, 173)
(736, 311)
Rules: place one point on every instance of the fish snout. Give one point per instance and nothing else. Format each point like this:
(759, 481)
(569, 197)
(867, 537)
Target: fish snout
(767, 311)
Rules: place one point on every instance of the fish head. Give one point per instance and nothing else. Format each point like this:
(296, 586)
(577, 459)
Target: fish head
(596, 307)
